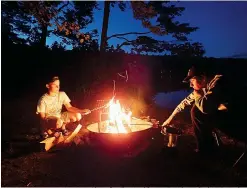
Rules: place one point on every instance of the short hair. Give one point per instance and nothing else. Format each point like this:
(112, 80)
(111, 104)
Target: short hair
(53, 79)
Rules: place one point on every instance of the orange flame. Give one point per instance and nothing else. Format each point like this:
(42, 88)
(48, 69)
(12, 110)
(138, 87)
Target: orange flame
(118, 118)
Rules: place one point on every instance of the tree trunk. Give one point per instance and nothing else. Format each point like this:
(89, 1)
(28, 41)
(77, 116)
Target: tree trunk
(105, 26)
(43, 35)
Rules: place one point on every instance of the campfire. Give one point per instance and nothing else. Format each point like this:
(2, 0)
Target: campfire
(120, 121)
(119, 132)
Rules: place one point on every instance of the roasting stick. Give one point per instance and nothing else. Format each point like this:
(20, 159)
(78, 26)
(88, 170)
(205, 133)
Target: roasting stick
(98, 108)
(104, 106)
(108, 104)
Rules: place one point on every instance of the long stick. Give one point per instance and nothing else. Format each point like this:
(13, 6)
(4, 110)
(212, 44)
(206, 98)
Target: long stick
(104, 106)
(98, 108)
(139, 124)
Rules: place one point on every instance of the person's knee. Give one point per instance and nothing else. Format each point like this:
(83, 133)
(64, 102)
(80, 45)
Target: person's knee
(59, 123)
(73, 119)
(78, 116)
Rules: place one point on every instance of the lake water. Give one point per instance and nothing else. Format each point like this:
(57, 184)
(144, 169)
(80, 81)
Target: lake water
(171, 99)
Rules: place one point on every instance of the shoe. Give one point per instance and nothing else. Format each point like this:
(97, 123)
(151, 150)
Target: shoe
(57, 134)
(44, 135)
(65, 132)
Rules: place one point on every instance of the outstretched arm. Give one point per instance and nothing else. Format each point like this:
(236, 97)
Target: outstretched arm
(183, 104)
(71, 108)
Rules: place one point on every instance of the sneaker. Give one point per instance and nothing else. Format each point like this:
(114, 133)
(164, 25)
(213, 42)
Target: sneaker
(57, 134)
(44, 135)
(65, 132)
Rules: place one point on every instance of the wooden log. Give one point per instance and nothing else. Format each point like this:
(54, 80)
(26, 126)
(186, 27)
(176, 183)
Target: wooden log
(73, 134)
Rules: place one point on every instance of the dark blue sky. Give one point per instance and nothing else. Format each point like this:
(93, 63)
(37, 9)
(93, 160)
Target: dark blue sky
(222, 25)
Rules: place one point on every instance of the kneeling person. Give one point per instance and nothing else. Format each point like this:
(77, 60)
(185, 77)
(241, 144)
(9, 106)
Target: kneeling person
(50, 108)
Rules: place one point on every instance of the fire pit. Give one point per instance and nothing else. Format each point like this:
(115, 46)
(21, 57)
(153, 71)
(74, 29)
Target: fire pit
(106, 127)
(137, 136)
(120, 132)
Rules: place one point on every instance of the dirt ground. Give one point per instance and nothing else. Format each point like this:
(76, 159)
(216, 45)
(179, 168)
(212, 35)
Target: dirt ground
(91, 163)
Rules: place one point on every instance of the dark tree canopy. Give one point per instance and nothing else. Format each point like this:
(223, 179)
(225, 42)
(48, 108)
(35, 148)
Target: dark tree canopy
(31, 22)
(34, 21)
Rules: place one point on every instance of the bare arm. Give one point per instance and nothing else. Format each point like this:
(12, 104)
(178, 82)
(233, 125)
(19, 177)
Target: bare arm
(183, 104)
(42, 115)
(41, 108)
(73, 109)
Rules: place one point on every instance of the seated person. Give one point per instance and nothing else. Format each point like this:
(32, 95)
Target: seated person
(50, 108)
(216, 103)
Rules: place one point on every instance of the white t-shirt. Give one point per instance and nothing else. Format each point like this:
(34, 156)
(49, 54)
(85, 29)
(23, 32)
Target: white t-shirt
(52, 105)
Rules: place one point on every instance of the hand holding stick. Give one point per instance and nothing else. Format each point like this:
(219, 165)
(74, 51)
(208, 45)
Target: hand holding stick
(85, 112)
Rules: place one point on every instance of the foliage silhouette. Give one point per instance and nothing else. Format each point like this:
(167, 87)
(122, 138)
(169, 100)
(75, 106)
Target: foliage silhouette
(159, 19)
(35, 21)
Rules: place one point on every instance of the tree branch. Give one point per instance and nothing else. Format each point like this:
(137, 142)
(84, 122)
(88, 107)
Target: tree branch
(124, 43)
(124, 39)
(63, 6)
(119, 47)
(130, 33)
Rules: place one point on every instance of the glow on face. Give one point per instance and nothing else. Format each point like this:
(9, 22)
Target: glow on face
(54, 86)
(196, 84)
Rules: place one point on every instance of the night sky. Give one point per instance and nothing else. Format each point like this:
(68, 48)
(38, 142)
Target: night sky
(222, 26)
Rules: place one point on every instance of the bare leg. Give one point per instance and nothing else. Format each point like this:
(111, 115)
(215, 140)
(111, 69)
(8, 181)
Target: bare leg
(68, 117)
(74, 117)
